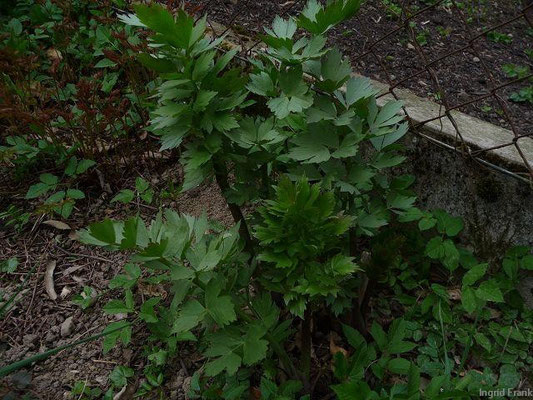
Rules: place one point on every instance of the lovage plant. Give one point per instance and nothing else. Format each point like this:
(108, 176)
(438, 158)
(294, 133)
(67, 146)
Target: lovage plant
(299, 114)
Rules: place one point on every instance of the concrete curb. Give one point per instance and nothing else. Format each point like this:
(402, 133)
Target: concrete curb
(475, 133)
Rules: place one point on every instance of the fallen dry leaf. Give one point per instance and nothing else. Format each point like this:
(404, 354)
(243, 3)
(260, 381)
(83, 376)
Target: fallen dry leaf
(334, 349)
(455, 294)
(54, 54)
(57, 224)
(152, 290)
(65, 292)
(49, 280)
(255, 393)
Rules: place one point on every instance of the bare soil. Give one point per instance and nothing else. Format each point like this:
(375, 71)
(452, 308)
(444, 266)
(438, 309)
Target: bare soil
(33, 325)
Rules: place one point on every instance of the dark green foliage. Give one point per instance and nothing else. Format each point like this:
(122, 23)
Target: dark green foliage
(301, 244)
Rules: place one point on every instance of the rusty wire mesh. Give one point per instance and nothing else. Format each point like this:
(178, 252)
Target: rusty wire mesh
(460, 69)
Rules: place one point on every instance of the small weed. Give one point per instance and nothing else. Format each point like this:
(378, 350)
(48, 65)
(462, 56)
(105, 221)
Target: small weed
(392, 9)
(444, 32)
(498, 37)
(422, 38)
(9, 266)
(524, 95)
(515, 71)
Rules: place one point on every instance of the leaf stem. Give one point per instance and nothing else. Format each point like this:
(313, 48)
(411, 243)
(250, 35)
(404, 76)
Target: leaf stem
(470, 339)
(306, 349)
(221, 175)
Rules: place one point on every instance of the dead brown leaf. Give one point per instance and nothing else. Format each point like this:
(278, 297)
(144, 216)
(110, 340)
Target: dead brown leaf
(49, 280)
(57, 224)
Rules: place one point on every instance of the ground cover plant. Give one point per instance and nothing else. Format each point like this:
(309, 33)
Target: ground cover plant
(329, 282)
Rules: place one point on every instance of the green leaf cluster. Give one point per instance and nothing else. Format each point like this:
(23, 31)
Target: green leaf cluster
(299, 236)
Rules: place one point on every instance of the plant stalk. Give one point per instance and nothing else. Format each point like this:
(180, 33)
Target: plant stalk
(306, 350)
(221, 175)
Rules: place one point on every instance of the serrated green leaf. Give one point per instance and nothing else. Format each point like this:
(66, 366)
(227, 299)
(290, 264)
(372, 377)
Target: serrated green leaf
(160, 65)
(509, 377)
(254, 348)
(358, 89)
(37, 190)
(379, 336)
(141, 184)
(483, 341)
(490, 291)
(399, 347)
(190, 315)
(220, 308)
(474, 274)
(317, 20)
(157, 18)
(147, 312)
(202, 99)
(116, 307)
(75, 194)
(120, 330)
(124, 196)
(447, 224)
(468, 300)
(399, 366)
(202, 65)
(49, 179)
(105, 63)
(119, 376)
(229, 362)
(103, 231)
(261, 84)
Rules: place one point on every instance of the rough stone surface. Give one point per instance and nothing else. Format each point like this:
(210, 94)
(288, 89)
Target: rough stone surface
(497, 209)
(474, 132)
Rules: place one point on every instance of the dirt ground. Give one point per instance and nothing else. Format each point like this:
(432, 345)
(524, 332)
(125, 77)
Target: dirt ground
(35, 323)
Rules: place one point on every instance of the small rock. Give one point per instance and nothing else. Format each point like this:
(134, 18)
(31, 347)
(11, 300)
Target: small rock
(30, 339)
(21, 379)
(102, 380)
(177, 383)
(410, 46)
(476, 59)
(127, 354)
(65, 292)
(50, 337)
(66, 327)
